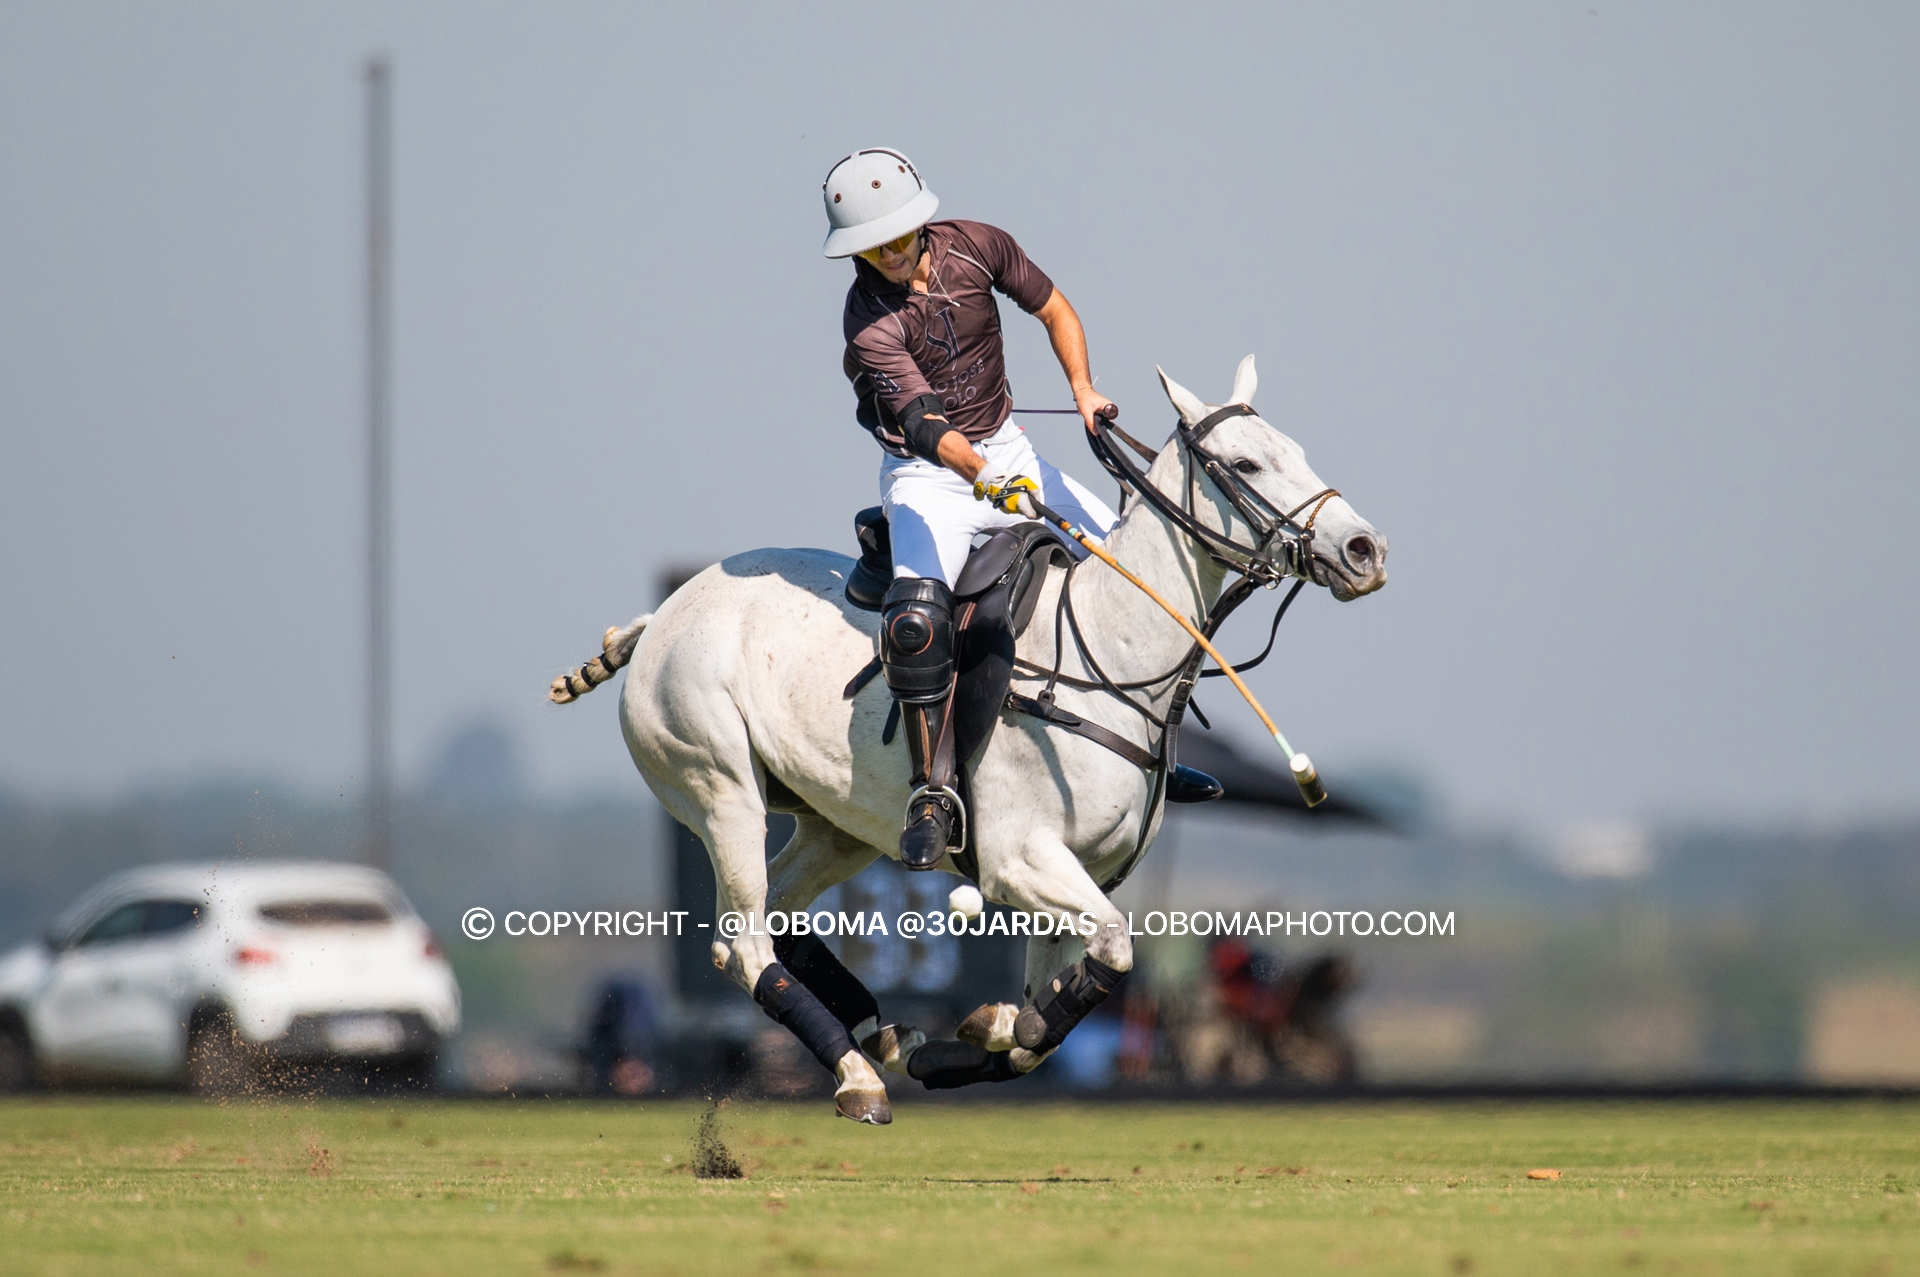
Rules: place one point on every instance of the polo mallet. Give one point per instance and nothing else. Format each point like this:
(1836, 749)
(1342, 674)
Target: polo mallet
(1301, 766)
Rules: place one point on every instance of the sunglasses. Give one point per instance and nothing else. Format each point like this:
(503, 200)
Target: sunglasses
(896, 247)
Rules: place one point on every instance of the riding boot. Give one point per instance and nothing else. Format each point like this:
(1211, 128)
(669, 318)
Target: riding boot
(1191, 785)
(933, 808)
(916, 652)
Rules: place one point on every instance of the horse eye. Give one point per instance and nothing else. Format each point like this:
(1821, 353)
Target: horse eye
(1247, 467)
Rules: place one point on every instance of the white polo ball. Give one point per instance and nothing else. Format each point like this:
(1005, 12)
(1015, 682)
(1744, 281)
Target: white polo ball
(966, 900)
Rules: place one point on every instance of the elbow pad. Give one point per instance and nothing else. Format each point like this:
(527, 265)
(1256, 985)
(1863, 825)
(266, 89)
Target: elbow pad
(924, 424)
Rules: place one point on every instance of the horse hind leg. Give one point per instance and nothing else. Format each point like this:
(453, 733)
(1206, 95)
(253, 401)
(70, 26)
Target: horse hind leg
(732, 824)
(849, 1001)
(819, 856)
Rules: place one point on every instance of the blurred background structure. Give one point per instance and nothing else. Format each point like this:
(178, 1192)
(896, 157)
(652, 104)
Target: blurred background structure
(1604, 313)
(1710, 954)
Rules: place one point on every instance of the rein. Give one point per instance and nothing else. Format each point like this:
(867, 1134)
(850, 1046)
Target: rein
(1267, 521)
(1295, 556)
(1259, 566)
(1256, 563)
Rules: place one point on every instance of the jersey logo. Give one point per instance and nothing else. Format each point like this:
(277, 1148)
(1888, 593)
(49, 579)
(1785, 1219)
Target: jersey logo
(948, 345)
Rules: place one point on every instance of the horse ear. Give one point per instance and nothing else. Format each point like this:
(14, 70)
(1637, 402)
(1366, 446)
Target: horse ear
(1191, 409)
(1244, 382)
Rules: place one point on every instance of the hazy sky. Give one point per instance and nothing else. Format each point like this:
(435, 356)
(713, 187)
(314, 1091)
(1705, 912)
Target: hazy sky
(1607, 315)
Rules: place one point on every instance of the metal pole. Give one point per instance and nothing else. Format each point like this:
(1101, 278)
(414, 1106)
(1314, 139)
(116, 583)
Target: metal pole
(379, 833)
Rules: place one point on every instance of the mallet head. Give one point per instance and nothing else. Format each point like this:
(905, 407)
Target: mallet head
(1309, 781)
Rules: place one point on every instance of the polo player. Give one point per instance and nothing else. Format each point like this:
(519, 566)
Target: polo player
(926, 361)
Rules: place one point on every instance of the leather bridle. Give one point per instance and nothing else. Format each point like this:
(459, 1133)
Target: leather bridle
(1258, 564)
(1264, 560)
(1283, 547)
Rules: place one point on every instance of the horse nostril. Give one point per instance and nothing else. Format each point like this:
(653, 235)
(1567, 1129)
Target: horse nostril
(1360, 549)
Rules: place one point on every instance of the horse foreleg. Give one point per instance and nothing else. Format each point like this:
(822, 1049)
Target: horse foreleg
(1000, 1041)
(1060, 990)
(819, 856)
(991, 1025)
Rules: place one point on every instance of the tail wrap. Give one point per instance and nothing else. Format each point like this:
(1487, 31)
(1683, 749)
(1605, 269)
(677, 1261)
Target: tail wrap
(616, 649)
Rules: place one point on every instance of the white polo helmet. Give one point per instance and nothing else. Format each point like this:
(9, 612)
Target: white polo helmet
(872, 197)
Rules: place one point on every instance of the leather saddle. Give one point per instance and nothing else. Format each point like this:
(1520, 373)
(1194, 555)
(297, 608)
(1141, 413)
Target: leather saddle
(994, 599)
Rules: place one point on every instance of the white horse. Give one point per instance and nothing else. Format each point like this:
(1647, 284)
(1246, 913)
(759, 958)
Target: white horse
(734, 706)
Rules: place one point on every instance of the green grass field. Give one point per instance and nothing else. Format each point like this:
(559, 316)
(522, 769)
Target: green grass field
(469, 1187)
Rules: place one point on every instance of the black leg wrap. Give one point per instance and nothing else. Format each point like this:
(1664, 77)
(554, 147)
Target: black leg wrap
(1074, 992)
(946, 1065)
(784, 998)
(815, 965)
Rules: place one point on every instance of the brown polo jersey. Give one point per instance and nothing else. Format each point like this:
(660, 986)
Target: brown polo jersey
(902, 344)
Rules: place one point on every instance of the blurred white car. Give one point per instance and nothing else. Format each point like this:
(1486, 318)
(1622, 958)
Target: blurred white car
(208, 974)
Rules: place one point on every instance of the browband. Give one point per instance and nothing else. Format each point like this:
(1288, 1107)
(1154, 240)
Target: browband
(1214, 418)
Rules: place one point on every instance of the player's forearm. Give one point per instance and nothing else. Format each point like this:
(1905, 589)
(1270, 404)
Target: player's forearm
(957, 455)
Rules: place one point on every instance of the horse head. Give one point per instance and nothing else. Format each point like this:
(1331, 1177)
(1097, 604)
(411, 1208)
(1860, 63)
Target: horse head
(1349, 556)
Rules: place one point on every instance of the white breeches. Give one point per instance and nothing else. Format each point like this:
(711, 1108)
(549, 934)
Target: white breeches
(933, 514)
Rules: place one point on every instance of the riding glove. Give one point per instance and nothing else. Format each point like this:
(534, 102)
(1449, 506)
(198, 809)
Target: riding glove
(1003, 490)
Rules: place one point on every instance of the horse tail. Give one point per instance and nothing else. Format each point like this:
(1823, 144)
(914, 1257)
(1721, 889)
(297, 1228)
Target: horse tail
(616, 649)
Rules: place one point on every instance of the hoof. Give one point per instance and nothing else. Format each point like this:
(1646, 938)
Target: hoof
(861, 1096)
(870, 1107)
(1025, 1061)
(990, 1026)
(1030, 1029)
(892, 1046)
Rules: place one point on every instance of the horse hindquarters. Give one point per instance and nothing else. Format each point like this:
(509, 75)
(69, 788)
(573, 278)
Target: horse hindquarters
(693, 748)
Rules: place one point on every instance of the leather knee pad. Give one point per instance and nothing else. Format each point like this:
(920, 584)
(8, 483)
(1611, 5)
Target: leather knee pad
(916, 639)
